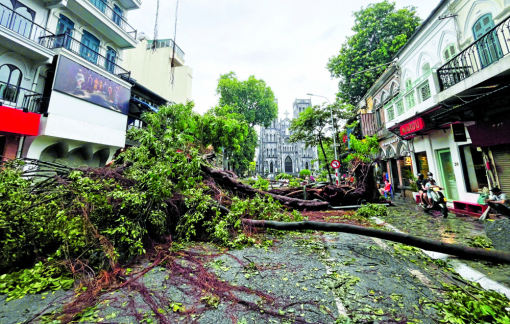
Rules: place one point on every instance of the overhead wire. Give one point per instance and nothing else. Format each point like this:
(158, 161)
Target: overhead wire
(173, 49)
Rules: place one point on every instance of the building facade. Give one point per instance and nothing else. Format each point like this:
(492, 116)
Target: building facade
(452, 107)
(64, 95)
(150, 65)
(277, 155)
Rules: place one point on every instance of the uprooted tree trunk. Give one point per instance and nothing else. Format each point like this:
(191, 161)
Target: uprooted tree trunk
(227, 182)
(430, 245)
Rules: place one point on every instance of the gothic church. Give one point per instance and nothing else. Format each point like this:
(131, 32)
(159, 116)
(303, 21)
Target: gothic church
(277, 155)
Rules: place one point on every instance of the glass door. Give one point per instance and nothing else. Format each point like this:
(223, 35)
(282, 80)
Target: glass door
(111, 56)
(90, 47)
(65, 28)
(447, 174)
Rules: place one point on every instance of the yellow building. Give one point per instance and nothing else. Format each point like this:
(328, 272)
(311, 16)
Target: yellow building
(152, 68)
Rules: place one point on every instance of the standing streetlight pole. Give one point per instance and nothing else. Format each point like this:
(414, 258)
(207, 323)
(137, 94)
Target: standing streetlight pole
(334, 134)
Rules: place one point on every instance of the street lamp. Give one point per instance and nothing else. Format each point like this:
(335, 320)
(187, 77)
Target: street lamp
(334, 133)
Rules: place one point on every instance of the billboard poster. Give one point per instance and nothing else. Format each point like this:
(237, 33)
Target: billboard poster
(78, 81)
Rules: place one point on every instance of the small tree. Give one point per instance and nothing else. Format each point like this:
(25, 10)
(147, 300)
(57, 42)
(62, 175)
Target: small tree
(304, 173)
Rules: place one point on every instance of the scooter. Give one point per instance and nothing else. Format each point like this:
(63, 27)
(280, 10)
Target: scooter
(438, 201)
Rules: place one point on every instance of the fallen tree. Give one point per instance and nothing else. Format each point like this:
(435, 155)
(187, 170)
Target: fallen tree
(426, 244)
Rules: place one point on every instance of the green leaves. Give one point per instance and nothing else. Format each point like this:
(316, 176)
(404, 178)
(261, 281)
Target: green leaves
(380, 30)
(31, 281)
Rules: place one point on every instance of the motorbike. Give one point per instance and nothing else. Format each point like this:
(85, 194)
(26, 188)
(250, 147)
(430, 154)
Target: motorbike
(438, 200)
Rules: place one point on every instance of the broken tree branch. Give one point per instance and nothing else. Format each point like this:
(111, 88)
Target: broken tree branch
(430, 245)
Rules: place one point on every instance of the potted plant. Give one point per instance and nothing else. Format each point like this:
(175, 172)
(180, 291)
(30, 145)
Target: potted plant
(412, 183)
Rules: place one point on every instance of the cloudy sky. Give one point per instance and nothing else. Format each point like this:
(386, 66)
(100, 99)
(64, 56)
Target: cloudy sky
(287, 43)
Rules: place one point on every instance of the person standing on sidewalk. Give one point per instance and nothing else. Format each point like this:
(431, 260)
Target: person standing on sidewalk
(499, 202)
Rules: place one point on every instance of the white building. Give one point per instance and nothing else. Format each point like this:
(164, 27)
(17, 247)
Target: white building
(452, 106)
(63, 90)
(277, 155)
(151, 66)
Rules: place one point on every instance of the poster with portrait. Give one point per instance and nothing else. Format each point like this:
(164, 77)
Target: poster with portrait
(78, 81)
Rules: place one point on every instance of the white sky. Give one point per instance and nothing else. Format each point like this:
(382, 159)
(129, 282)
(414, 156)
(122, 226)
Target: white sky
(287, 43)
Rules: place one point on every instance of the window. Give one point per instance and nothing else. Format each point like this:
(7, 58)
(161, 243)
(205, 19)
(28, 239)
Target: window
(410, 100)
(99, 4)
(449, 52)
(288, 164)
(394, 89)
(378, 118)
(400, 107)
(111, 57)
(117, 14)
(384, 96)
(64, 26)
(473, 167)
(489, 48)
(425, 91)
(10, 80)
(409, 84)
(391, 113)
(90, 47)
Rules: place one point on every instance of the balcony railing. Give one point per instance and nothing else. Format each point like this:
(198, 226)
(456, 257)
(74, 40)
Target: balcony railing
(490, 48)
(78, 48)
(21, 25)
(18, 97)
(115, 16)
(134, 122)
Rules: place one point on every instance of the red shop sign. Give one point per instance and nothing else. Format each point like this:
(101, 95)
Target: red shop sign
(412, 126)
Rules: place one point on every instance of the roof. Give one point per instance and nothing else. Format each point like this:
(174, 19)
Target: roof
(423, 24)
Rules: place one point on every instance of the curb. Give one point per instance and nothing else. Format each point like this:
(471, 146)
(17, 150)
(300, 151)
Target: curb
(462, 269)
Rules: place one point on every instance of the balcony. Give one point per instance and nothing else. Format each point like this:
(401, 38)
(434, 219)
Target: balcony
(489, 49)
(417, 97)
(107, 20)
(131, 4)
(78, 48)
(17, 97)
(21, 35)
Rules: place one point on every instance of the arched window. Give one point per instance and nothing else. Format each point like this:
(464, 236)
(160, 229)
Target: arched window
(384, 97)
(22, 21)
(306, 165)
(288, 164)
(425, 68)
(394, 89)
(10, 80)
(449, 52)
(271, 167)
(409, 84)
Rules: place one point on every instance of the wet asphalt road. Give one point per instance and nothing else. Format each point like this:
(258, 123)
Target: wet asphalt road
(312, 278)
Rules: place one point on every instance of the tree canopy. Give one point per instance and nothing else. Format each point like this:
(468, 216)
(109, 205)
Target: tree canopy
(251, 98)
(380, 30)
(310, 127)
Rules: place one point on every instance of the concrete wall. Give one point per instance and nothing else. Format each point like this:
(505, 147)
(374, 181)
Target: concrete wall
(152, 69)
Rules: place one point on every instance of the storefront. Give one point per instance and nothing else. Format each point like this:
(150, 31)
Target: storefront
(397, 163)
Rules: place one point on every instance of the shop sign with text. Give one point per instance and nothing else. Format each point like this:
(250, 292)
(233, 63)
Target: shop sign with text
(412, 126)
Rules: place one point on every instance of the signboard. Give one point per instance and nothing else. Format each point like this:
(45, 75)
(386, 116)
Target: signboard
(335, 164)
(412, 126)
(459, 133)
(408, 161)
(80, 82)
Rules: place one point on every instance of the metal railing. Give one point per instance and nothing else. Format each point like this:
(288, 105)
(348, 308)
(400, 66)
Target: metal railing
(18, 97)
(413, 86)
(114, 16)
(134, 122)
(21, 25)
(78, 48)
(488, 49)
(166, 43)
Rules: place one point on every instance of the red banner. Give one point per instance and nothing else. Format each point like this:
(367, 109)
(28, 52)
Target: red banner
(18, 122)
(412, 126)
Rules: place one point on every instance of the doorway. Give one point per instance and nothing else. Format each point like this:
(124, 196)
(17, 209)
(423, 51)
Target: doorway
(394, 176)
(447, 173)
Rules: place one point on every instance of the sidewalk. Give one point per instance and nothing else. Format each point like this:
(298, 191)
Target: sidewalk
(410, 218)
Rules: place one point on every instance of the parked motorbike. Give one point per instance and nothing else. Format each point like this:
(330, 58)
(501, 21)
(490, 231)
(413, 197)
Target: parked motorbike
(438, 201)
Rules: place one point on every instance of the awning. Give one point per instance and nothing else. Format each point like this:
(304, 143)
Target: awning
(146, 105)
(420, 124)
